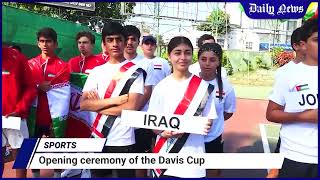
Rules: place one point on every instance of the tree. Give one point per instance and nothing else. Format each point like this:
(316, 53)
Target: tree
(217, 22)
(103, 12)
(145, 28)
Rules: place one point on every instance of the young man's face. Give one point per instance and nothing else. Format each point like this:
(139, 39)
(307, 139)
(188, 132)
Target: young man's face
(298, 49)
(115, 45)
(47, 45)
(148, 48)
(132, 45)
(312, 46)
(84, 45)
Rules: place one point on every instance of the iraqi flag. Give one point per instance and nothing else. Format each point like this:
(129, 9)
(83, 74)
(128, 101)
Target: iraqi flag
(157, 66)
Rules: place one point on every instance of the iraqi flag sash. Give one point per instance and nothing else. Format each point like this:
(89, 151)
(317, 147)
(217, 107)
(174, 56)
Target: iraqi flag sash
(193, 104)
(119, 85)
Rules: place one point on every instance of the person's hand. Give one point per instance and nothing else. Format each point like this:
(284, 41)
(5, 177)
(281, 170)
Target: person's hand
(208, 126)
(176, 134)
(121, 99)
(273, 173)
(93, 95)
(45, 86)
(166, 134)
(15, 114)
(171, 134)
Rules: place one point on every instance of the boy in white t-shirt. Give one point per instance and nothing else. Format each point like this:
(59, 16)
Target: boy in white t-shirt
(293, 103)
(143, 136)
(300, 55)
(161, 66)
(110, 81)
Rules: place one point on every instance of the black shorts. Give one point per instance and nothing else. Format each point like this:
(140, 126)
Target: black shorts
(144, 139)
(293, 169)
(214, 146)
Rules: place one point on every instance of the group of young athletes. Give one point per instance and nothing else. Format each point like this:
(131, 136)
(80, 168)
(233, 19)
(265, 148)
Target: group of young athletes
(84, 97)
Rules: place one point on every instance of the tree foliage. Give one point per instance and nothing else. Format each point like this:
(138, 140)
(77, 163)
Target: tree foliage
(218, 20)
(103, 11)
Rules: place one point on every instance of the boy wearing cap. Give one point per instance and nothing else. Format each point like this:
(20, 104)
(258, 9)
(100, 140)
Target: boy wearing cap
(161, 66)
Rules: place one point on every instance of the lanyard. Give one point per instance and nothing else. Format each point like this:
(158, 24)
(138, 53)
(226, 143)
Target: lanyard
(45, 67)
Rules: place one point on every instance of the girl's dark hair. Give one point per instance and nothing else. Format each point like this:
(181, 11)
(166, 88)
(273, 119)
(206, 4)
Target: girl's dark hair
(216, 49)
(176, 41)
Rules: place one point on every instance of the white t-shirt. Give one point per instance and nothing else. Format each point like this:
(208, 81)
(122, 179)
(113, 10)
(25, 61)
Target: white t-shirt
(284, 68)
(299, 140)
(160, 67)
(227, 104)
(99, 80)
(145, 65)
(195, 69)
(165, 98)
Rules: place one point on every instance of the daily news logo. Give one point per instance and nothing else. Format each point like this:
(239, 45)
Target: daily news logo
(280, 9)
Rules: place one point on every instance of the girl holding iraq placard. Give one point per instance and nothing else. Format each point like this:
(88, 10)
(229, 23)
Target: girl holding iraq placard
(185, 94)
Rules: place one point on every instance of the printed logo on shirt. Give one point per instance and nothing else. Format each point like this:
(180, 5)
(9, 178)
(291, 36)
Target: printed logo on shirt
(302, 87)
(217, 94)
(5, 72)
(51, 75)
(157, 66)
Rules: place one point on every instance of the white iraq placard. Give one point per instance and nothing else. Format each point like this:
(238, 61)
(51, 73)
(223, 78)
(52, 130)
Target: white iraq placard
(173, 122)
